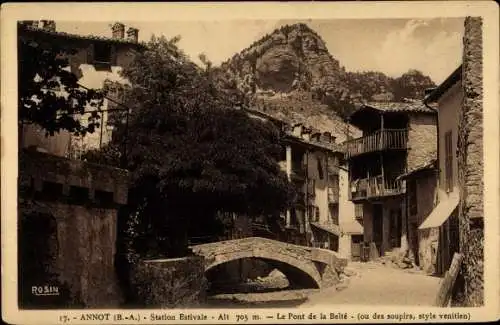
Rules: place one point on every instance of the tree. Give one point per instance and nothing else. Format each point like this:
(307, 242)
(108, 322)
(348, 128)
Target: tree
(49, 94)
(411, 84)
(191, 153)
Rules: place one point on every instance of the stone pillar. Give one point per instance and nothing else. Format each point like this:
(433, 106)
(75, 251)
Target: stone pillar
(470, 284)
(289, 175)
(404, 227)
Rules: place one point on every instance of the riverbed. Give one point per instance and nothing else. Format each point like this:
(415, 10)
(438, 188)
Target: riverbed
(272, 291)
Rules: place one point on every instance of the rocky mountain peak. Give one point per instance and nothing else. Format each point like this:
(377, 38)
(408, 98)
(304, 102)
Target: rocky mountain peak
(293, 62)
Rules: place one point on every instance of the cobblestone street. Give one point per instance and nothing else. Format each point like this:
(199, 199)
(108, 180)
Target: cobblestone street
(376, 284)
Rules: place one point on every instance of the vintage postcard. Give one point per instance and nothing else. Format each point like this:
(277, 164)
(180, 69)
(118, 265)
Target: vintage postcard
(218, 163)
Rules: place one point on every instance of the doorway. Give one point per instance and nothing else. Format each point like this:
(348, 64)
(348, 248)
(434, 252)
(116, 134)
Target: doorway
(377, 227)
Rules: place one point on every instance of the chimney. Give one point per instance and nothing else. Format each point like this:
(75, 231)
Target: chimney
(118, 30)
(297, 130)
(132, 35)
(49, 25)
(306, 134)
(316, 136)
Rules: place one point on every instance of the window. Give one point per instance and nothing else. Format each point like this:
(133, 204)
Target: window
(311, 188)
(320, 169)
(412, 197)
(102, 52)
(358, 211)
(313, 213)
(448, 161)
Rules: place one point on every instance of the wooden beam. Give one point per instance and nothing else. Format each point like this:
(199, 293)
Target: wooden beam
(444, 293)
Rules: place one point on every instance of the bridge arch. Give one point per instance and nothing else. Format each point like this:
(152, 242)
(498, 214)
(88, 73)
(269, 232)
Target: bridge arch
(299, 275)
(298, 263)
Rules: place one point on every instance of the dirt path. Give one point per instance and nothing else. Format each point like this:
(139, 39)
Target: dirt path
(376, 284)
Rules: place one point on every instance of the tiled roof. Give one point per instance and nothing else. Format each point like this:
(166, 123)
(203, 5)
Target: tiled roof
(445, 85)
(351, 227)
(83, 37)
(417, 106)
(335, 147)
(429, 165)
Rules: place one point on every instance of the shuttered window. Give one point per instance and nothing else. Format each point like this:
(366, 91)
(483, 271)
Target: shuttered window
(448, 147)
(358, 211)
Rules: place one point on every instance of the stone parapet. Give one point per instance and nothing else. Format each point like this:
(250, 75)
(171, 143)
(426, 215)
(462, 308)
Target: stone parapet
(35, 168)
(170, 283)
(303, 266)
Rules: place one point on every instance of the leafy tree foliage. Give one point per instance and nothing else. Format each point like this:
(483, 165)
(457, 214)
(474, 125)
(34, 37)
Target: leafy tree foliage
(411, 84)
(49, 94)
(191, 153)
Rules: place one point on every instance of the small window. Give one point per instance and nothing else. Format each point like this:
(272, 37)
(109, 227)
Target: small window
(78, 195)
(51, 191)
(320, 169)
(103, 198)
(311, 188)
(358, 211)
(313, 213)
(102, 53)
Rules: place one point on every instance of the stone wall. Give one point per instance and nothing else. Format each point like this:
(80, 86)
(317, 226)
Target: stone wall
(470, 165)
(428, 240)
(426, 248)
(85, 222)
(86, 253)
(170, 283)
(422, 140)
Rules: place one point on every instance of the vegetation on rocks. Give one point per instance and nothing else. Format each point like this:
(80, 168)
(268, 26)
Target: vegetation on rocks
(294, 58)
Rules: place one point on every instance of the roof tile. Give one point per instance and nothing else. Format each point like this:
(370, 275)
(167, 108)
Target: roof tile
(406, 106)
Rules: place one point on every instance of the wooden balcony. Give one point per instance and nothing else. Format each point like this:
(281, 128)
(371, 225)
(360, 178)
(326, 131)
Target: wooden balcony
(374, 187)
(387, 139)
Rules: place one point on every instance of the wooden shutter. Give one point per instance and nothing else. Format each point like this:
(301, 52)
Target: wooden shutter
(358, 211)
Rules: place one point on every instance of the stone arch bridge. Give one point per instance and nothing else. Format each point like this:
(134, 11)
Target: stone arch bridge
(304, 267)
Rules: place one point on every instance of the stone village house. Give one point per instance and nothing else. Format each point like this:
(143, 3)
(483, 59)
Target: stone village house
(97, 65)
(444, 194)
(67, 208)
(322, 215)
(432, 190)
(398, 138)
(456, 223)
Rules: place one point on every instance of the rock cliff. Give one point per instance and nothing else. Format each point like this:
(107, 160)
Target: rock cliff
(292, 67)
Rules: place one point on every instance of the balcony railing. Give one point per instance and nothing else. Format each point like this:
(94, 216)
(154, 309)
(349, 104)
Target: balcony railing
(374, 187)
(388, 139)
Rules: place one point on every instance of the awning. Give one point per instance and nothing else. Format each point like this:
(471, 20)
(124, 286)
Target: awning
(441, 212)
(331, 228)
(352, 228)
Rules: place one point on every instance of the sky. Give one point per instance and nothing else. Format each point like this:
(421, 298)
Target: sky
(391, 46)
